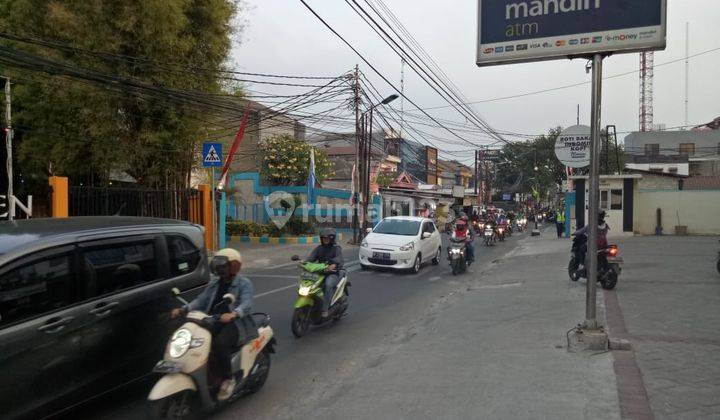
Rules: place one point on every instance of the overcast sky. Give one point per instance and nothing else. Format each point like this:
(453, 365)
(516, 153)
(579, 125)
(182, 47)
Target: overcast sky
(283, 37)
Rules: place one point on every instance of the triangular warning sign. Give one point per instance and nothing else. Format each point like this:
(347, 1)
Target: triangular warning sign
(212, 156)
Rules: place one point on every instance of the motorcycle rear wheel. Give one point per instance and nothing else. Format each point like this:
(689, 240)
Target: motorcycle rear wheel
(261, 374)
(300, 321)
(610, 280)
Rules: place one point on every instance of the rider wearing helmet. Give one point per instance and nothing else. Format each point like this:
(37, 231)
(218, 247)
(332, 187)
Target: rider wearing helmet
(583, 232)
(462, 230)
(235, 325)
(330, 253)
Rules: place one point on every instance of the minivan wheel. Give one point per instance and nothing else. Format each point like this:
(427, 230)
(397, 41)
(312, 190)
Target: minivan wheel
(416, 265)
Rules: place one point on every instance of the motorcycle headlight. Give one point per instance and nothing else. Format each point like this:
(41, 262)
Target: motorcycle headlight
(454, 250)
(408, 246)
(364, 244)
(304, 291)
(180, 342)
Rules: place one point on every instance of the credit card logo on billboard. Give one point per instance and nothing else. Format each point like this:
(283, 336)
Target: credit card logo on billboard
(488, 50)
(574, 41)
(498, 49)
(521, 47)
(559, 43)
(585, 41)
(509, 48)
(596, 39)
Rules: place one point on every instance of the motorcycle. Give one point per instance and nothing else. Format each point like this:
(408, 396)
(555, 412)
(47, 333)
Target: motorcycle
(309, 303)
(489, 235)
(501, 233)
(609, 265)
(189, 384)
(457, 255)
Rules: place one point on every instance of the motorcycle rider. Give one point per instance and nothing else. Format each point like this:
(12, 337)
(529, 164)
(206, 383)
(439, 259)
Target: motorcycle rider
(235, 325)
(583, 232)
(328, 252)
(463, 232)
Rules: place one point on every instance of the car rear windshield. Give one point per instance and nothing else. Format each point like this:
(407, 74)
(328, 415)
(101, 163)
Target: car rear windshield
(398, 227)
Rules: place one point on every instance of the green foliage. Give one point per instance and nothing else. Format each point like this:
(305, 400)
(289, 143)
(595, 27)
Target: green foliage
(516, 171)
(286, 161)
(294, 227)
(84, 131)
(384, 179)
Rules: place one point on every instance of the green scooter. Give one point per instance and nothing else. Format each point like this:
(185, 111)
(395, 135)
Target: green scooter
(309, 303)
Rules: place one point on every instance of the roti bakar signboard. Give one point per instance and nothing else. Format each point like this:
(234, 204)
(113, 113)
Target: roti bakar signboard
(511, 31)
(572, 146)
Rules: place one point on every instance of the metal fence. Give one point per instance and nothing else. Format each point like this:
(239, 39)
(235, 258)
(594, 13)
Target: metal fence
(171, 204)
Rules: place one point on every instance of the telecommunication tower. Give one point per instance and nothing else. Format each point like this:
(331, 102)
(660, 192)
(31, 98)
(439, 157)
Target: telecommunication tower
(647, 60)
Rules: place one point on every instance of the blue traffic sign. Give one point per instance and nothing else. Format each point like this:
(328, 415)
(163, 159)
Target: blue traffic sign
(212, 154)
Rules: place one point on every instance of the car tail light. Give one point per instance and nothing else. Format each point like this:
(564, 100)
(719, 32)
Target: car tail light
(613, 251)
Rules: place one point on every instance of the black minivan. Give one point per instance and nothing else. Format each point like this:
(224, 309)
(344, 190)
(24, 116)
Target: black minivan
(84, 304)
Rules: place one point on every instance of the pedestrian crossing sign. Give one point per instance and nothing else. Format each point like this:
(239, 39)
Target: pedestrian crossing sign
(212, 154)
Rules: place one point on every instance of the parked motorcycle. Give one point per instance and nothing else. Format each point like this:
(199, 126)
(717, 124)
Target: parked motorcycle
(457, 255)
(309, 303)
(189, 384)
(609, 264)
(489, 235)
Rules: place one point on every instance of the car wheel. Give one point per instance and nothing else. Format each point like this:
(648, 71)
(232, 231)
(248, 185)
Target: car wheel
(416, 265)
(436, 260)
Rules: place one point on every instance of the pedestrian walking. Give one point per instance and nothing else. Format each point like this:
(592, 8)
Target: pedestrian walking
(560, 223)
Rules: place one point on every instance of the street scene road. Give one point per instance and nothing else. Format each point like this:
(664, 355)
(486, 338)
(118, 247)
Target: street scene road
(359, 209)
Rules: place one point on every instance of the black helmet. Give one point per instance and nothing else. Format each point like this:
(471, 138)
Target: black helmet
(601, 216)
(328, 233)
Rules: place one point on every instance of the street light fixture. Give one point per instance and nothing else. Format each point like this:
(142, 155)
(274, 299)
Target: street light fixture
(368, 150)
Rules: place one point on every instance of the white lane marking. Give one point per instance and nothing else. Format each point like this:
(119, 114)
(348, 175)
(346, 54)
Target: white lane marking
(436, 278)
(498, 286)
(279, 289)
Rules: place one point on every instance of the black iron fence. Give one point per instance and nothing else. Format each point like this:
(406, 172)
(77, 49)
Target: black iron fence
(183, 204)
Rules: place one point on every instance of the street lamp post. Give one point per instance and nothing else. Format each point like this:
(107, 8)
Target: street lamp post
(367, 158)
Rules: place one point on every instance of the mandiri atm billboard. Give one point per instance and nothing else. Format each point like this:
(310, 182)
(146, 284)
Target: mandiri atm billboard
(511, 31)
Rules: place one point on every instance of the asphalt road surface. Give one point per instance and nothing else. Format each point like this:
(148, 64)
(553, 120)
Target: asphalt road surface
(309, 371)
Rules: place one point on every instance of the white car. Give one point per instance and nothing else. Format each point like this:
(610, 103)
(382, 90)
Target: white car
(401, 242)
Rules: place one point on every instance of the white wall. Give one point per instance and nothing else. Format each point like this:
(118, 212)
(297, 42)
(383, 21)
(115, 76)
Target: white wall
(698, 210)
(682, 168)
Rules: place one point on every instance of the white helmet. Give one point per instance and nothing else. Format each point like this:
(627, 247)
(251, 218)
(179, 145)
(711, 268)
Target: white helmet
(230, 254)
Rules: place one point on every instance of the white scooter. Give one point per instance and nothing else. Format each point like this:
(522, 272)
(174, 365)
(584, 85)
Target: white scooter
(188, 385)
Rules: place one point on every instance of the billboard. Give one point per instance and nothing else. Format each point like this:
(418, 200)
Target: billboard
(431, 168)
(511, 31)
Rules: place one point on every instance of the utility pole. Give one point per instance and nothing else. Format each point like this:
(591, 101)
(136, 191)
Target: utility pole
(476, 175)
(8, 145)
(354, 177)
(578, 115)
(687, 71)
(368, 164)
(595, 145)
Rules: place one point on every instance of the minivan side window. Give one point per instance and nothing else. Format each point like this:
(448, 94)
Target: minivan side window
(184, 255)
(119, 266)
(41, 286)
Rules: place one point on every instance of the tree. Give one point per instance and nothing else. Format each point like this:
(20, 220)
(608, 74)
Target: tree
(286, 161)
(85, 131)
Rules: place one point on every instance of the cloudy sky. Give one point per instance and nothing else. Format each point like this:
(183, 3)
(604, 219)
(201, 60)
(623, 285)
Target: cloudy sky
(283, 37)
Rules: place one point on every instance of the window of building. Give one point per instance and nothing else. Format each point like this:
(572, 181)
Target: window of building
(673, 170)
(119, 266)
(616, 199)
(184, 256)
(35, 288)
(604, 199)
(687, 149)
(652, 149)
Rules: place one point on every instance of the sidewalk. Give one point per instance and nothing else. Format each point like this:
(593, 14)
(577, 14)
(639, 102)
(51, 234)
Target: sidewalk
(668, 302)
(259, 256)
(494, 348)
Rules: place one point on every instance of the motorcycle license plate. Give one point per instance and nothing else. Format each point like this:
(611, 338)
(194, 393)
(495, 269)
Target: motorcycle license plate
(381, 255)
(488, 233)
(166, 366)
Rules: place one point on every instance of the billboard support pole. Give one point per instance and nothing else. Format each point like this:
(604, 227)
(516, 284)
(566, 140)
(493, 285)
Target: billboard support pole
(591, 258)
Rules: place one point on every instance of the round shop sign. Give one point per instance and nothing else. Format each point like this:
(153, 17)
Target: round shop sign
(572, 147)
